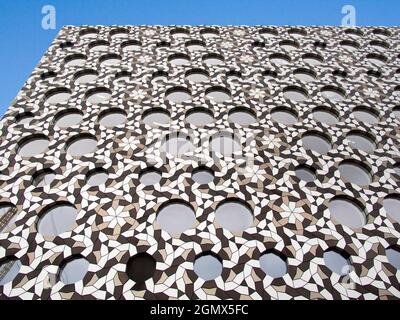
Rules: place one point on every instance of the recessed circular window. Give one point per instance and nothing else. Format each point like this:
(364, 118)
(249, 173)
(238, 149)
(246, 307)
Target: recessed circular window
(396, 91)
(393, 256)
(234, 75)
(354, 32)
(333, 93)
(97, 177)
(337, 261)
(325, 115)
(24, 117)
(320, 44)
(268, 33)
(178, 94)
(110, 60)
(48, 75)
(195, 45)
(376, 58)
(159, 76)
(208, 266)
(197, 75)
(199, 117)
(355, 172)
(119, 33)
(234, 215)
(305, 173)
(122, 76)
(131, 45)
(347, 212)
(43, 177)
(74, 270)
(381, 32)
(305, 75)
(273, 264)
(279, 59)
(141, 267)
(242, 116)
(150, 176)
(312, 59)
(392, 207)
(75, 60)
(100, 45)
(57, 95)
(177, 144)
(176, 217)
(213, 59)
(361, 141)
(366, 114)
(5, 209)
(88, 33)
(349, 45)
(218, 94)
(179, 33)
(98, 95)
(179, 59)
(297, 32)
(374, 73)
(209, 33)
(339, 74)
(81, 145)
(379, 45)
(163, 44)
(289, 45)
(66, 44)
(86, 76)
(283, 115)
(225, 144)
(33, 145)
(9, 269)
(396, 111)
(112, 117)
(156, 116)
(258, 44)
(203, 175)
(316, 141)
(295, 93)
(269, 74)
(56, 219)
(68, 118)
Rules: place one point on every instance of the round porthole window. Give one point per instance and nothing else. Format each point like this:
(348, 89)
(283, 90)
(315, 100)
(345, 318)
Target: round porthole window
(337, 261)
(176, 217)
(33, 145)
(96, 177)
(150, 176)
(234, 216)
(208, 266)
(347, 212)
(273, 264)
(57, 219)
(141, 267)
(74, 270)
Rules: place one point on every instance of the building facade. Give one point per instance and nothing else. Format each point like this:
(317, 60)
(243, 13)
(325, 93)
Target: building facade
(151, 162)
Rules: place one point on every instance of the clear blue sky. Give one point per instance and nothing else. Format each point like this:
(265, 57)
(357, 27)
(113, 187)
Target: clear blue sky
(23, 41)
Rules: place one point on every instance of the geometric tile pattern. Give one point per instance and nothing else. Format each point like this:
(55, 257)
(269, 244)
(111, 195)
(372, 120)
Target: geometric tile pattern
(118, 219)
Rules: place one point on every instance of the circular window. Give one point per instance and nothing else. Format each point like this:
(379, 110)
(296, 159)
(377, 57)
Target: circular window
(295, 93)
(179, 33)
(234, 75)
(382, 32)
(313, 59)
(131, 45)
(269, 74)
(85, 76)
(43, 177)
(66, 44)
(305, 173)
(355, 172)
(202, 175)
(7, 208)
(361, 141)
(234, 216)
(9, 269)
(88, 33)
(81, 144)
(122, 76)
(273, 264)
(268, 33)
(354, 32)
(195, 45)
(208, 266)
(320, 44)
(199, 117)
(279, 59)
(58, 95)
(325, 115)
(209, 33)
(98, 95)
(297, 33)
(289, 45)
(57, 219)
(96, 177)
(283, 115)
(242, 116)
(176, 217)
(110, 60)
(119, 33)
(159, 76)
(374, 73)
(68, 118)
(392, 207)
(393, 256)
(333, 93)
(366, 114)
(349, 45)
(141, 267)
(150, 176)
(24, 117)
(197, 75)
(316, 141)
(74, 270)
(225, 144)
(379, 45)
(396, 111)
(218, 94)
(339, 74)
(305, 75)
(178, 94)
(113, 117)
(377, 59)
(100, 45)
(347, 212)
(213, 59)
(49, 75)
(337, 261)
(179, 59)
(177, 145)
(156, 116)
(33, 145)
(75, 60)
